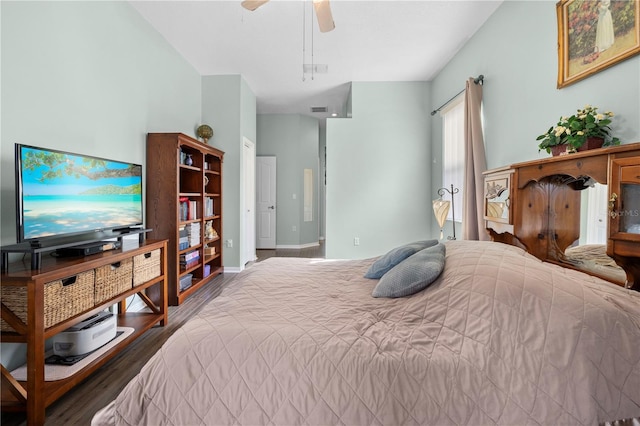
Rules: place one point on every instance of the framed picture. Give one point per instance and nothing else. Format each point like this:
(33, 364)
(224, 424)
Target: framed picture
(594, 35)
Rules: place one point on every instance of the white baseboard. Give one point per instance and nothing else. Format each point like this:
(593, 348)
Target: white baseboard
(232, 269)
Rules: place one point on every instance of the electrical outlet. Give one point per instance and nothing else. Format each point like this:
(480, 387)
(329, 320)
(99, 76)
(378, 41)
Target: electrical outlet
(294, 228)
(294, 196)
(229, 243)
(356, 241)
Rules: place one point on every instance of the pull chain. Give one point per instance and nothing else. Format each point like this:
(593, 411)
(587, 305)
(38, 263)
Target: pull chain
(312, 58)
(304, 32)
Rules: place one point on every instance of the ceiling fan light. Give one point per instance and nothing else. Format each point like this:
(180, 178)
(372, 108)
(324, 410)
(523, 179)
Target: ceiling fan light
(322, 8)
(323, 12)
(253, 4)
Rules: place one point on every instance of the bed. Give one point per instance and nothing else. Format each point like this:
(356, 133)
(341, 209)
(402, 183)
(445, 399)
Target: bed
(498, 338)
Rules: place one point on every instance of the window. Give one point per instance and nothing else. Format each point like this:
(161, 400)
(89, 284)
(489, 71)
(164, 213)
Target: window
(453, 153)
(308, 195)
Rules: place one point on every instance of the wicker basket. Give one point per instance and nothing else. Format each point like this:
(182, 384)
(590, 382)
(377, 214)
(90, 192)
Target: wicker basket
(146, 267)
(111, 280)
(62, 299)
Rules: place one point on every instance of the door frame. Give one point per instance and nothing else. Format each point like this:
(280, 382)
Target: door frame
(248, 200)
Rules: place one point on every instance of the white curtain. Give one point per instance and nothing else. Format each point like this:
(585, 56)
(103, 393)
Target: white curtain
(453, 153)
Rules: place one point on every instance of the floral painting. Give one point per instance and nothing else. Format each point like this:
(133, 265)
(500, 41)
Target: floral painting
(594, 35)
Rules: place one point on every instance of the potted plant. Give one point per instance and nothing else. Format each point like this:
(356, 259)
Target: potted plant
(586, 129)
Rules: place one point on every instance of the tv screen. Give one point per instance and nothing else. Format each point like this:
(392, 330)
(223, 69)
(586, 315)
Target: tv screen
(61, 193)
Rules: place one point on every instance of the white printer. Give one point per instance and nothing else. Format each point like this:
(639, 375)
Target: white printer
(86, 336)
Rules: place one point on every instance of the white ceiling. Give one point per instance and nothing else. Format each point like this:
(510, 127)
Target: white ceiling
(373, 41)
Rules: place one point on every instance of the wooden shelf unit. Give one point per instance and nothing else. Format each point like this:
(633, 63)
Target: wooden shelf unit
(35, 394)
(169, 180)
(544, 205)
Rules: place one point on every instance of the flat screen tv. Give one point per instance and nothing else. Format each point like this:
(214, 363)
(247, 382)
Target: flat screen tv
(61, 194)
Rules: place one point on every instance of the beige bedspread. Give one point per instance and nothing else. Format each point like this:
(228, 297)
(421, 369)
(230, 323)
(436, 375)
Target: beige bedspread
(499, 338)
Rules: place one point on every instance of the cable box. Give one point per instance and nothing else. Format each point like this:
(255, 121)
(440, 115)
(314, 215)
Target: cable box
(88, 248)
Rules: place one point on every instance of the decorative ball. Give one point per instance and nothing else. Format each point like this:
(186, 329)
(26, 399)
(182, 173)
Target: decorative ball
(205, 132)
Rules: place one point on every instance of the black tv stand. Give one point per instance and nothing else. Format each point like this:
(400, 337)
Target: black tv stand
(37, 247)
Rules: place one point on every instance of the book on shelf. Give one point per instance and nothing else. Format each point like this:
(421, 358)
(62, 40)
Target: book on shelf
(183, 238)
(193, 233)
(187, 265)
(208, 206)
(194, 254)
(188, 209)
(183, 208)
(183, 243)
(193, 210)
(187, 260)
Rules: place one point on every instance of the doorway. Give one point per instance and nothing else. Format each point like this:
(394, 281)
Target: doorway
(597, 214)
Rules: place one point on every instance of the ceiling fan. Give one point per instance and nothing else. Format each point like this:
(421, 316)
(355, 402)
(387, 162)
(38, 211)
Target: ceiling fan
(322, 8)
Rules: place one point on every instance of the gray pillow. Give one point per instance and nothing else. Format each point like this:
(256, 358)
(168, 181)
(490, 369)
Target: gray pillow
(395, 256)
(412, 275)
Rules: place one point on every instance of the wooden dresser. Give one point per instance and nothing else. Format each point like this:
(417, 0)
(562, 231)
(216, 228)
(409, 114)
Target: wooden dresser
(536, 205)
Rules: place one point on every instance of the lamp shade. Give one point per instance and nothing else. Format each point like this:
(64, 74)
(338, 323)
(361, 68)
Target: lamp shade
(441, 210)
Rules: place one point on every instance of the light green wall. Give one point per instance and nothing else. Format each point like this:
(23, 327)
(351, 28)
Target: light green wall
(378, 171)
(516, 51)
(86, 77)
(70, 82)
(294, 140)
(229, 107)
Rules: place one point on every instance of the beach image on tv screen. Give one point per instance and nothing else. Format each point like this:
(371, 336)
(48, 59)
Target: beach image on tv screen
(65, 193)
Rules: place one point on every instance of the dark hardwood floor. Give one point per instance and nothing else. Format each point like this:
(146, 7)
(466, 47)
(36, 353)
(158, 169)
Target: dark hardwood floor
(78, 406)
(310, 252)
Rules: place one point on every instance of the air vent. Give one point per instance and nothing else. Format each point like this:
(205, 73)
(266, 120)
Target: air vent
(315, 68)
(319, 109)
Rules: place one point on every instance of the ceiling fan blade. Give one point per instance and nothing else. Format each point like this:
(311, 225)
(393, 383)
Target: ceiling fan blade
(253, 4)
(323, 12)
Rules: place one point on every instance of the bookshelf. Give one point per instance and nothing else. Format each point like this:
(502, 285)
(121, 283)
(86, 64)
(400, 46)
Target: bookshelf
(184, 206)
